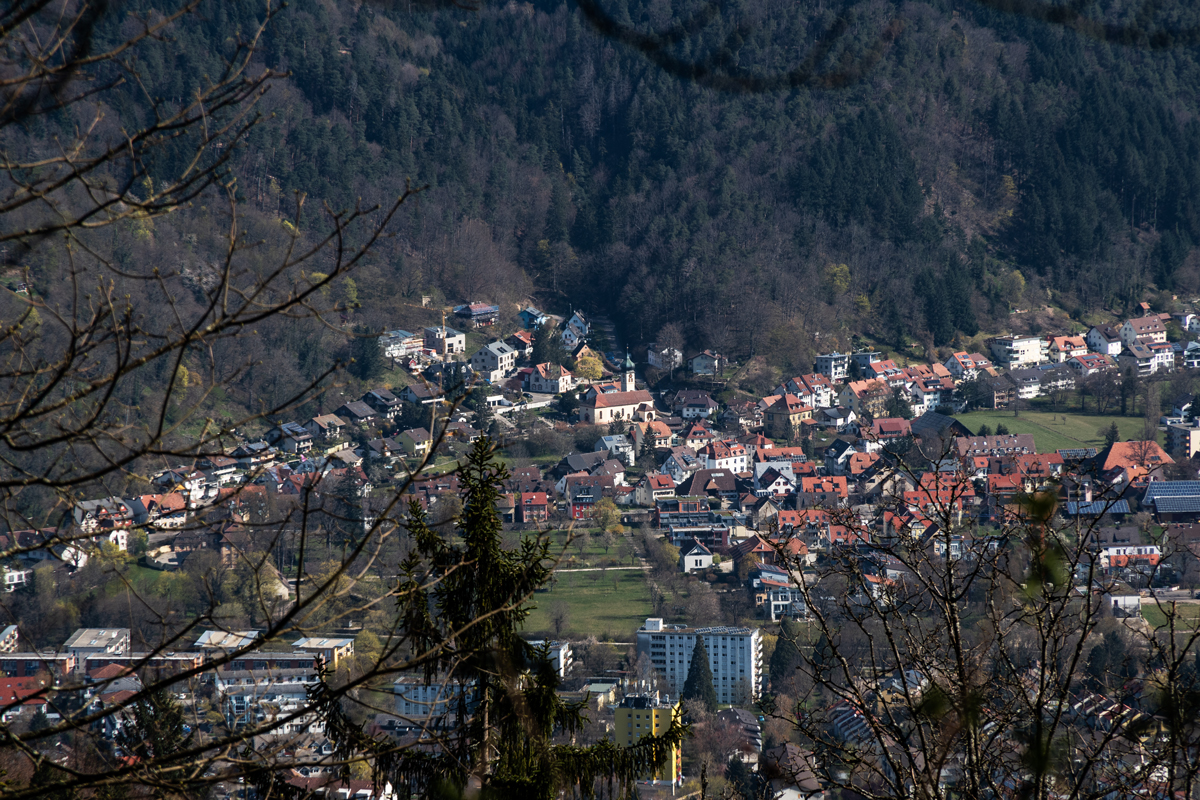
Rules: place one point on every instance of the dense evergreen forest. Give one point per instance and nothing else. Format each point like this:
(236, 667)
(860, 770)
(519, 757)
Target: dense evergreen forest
(985, 162)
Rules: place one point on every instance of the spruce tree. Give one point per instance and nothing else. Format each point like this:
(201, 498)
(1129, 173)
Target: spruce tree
(646, 456)
(786, 655)
(369, 361)
(699, 684)
(466, 621)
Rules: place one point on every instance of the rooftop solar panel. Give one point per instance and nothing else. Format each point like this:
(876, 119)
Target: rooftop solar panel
(1177, 505)
(1172, 489)
(1097, 507)
(1077, 453)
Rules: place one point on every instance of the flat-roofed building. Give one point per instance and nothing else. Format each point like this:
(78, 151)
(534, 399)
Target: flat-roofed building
(735, 657)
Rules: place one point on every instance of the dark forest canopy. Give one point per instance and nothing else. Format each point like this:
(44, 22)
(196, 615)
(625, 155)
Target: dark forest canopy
(983, 161)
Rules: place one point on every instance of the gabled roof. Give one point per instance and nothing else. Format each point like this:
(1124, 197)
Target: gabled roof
(695, 548)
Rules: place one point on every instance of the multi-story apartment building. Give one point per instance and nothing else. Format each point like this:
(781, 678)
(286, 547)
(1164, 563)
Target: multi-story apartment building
(1147, 330)
(836, 366)
(1020, 351)
(734, 655)
(639, 714)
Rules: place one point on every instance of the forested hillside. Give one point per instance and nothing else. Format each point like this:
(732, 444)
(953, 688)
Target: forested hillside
(984, 162)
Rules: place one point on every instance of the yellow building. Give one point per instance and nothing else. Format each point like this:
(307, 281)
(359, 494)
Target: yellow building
(639, 714)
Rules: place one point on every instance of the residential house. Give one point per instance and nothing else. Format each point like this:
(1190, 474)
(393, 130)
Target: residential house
(420, 393)
(218, 469)
(494, 360)
(835, 365)
(966, 366)
(652, 487)
(398, 344)
(866, 398)
(327, 427)
(254, 455)
(1019, 351)
(521, 342)
(660, 435)
(715, 484)
(386, 450)
(785, 415)
(725, 455)
(1026, 382)
(999, 391)
(356, 411)
(1164, 356)
(837, 456)
(774, 479)
(1138, 358)
(104, 515)
(693, 404)
(837, 418)
(532, 507)
(290, 438)
(1090, 364)
(91, 641)
(576, 329)
(1188, 355)
(331, 650)
(478, 315)
(745, 414)
(551, 378)
(415, 441)
(1146, 330)
(386, 404)
(444, 341)
(822, 492)
(619, 446)
(1104, 339)
(680, 463)
(865, 358)
(889, 428)
(663, 357)
(706, 362)
(1131, 462)
(1007, 445)
(694, 557)
(532, 318)
(1183, 440)
(583, 492)
(1064, 348)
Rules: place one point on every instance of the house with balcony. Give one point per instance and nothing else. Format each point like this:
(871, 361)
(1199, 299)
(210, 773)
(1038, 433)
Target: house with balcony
(1015, 352)
(1144, 330)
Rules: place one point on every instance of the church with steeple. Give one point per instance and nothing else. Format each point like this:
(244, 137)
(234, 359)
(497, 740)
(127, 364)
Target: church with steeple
(603, 403)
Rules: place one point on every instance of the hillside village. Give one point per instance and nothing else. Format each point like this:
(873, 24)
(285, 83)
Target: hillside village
(860, 452)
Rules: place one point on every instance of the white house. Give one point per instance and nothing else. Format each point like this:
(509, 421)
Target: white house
(551, 379)
(494, 360)
(694, 557)
(576, 330)
(440, 339)
(663, 357)
(1104, 339)
(619, 446)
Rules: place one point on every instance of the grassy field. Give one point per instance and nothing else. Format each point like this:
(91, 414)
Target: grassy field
(1186, 614)
(1053, 431)
(597, 606)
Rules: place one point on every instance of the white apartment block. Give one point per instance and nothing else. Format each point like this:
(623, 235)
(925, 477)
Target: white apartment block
(734, 655)
(1020, 351)
(430, 705)
(835, 365)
